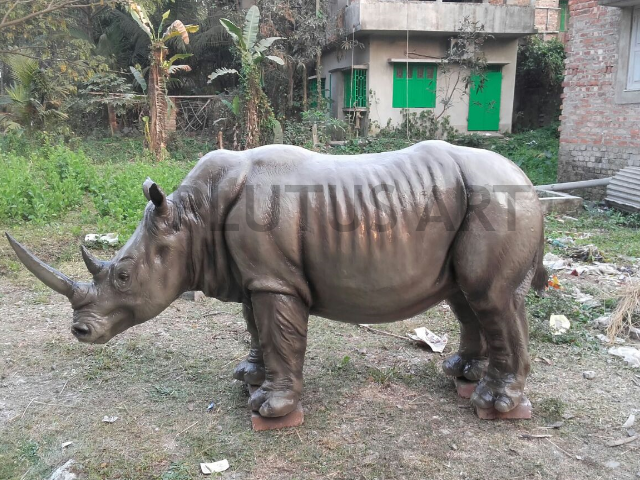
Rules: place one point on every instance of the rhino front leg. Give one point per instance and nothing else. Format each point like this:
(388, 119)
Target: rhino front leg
(282, 326)
(251, 370)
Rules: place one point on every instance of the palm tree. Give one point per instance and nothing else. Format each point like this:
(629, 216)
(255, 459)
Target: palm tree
(32, 99)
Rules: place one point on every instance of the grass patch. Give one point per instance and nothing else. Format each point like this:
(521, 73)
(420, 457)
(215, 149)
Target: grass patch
(42, 181)
(613, 232)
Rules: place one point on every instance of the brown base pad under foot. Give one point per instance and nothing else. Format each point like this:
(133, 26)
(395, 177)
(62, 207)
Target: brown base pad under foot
(521, 412)
(464, 387)
(260, 423)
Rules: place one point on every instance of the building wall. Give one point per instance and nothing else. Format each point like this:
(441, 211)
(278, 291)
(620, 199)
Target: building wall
(600, 132)
(380, 48)
(547, 20)
(339, 59)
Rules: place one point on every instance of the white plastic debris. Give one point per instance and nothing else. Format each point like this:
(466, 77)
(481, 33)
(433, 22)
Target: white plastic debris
(630, 421)
(629, 354)
(602, 322)
(106, 239)
(66, 444)
(90, 238)
(215, 467)
(108, 419)
(426, 336)
(109, 238)
(553, 262)
(605, 339)
(559, 324)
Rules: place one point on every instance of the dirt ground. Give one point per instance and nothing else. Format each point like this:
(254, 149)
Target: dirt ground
(376, 407)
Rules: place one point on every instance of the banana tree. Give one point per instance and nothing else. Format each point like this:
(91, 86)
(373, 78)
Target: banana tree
(256, 109)
(159, 70)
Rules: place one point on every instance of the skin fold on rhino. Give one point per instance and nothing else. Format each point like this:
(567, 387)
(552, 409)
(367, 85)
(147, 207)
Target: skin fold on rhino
(359, 239)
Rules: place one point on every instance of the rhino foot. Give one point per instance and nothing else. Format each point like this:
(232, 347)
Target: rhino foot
(502, 391)
(462, 366)
(250, 373)
(273, 403)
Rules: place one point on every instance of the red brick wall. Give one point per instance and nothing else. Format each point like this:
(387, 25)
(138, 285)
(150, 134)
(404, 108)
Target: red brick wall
(547, 16)
(598, 137)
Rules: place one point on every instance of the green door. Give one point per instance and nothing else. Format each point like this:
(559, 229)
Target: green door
(484, 101)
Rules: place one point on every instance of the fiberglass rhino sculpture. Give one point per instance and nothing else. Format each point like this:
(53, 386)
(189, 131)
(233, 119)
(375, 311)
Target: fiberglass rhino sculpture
(359, 239)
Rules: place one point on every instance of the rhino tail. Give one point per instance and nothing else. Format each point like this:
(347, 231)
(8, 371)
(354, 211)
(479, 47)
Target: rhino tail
(541, 277)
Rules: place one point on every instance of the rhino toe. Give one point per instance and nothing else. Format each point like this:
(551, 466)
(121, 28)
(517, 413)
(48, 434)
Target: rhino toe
(273, 403)
(462, 366)
(250, 373)
(502, 392)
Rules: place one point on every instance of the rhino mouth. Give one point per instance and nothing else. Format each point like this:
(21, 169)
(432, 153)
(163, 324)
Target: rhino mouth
(87, 333)
(82, 331)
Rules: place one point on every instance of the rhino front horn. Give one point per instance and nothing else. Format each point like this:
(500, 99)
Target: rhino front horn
(94, 265)
(51, 277)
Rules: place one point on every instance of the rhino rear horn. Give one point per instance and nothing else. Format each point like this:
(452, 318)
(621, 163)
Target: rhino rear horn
(51, 277)
(154, 194)
(94, 265)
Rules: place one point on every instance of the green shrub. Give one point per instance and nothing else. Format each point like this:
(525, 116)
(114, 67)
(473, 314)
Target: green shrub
(41, 182)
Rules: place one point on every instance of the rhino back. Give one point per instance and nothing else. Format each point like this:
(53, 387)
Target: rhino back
(367, 239)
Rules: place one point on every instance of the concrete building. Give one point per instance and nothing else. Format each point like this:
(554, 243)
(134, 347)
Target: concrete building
(400, 65)
(600, 122)
(552, 19)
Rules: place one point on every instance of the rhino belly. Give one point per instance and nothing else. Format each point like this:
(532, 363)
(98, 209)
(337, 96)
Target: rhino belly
(368, 277)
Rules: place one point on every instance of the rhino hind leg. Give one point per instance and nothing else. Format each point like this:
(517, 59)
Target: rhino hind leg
(281, 321)
(501, 313)
(251, 370)
(471, 359)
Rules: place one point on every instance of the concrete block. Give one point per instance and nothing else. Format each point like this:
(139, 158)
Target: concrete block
(464, 387)
(293, 419)
(261, 424)
(521, 412)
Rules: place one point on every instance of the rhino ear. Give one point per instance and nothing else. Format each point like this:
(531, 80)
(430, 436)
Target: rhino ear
(154, 194)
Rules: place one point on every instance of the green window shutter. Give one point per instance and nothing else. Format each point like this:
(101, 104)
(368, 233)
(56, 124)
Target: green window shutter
(420, 79)
(564, 15)
(355, 89)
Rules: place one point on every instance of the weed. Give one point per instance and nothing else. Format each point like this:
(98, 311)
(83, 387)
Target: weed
(177, 471)
(383, 376)
(550, 408)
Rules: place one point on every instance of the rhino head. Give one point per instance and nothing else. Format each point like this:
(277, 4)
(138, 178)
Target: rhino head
(143, 278)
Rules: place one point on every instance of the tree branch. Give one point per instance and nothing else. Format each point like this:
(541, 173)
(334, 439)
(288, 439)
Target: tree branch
(51, 7)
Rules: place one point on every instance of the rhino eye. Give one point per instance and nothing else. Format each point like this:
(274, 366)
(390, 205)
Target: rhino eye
(123, 276)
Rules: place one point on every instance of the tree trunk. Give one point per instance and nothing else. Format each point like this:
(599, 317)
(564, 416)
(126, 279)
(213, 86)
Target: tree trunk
(113, 120)
(290, 72)
(318, 78)
(252, 117)
(157, 103)
(304, 88)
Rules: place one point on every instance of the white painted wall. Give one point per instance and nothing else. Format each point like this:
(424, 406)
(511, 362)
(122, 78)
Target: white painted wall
(380, 48)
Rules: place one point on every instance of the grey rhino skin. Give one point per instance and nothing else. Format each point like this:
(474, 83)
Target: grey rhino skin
(274, 229)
